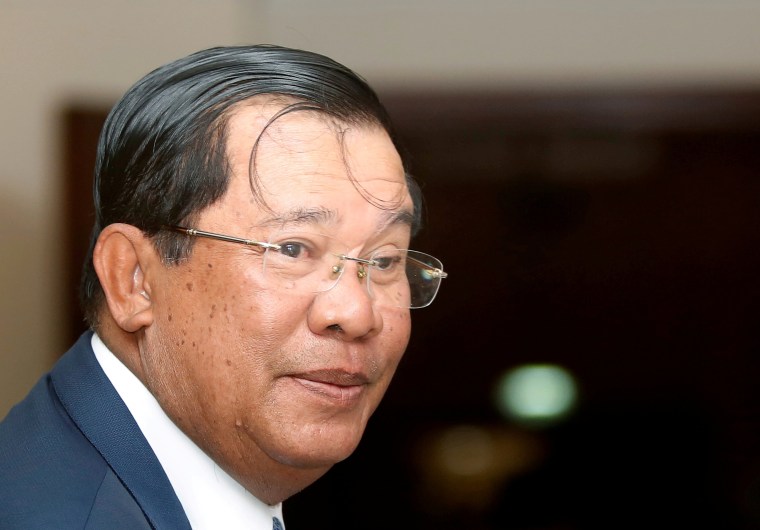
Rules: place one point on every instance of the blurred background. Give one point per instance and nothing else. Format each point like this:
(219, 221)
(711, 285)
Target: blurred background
(591, 170)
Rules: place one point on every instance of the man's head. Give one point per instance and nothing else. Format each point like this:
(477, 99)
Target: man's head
(272, 348)
(161, 155)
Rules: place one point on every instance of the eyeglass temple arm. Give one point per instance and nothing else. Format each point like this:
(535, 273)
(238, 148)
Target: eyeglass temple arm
(435, 272)
(194, 232)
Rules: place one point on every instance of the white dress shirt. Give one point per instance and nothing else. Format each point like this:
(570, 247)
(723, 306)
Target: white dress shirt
(211, 498)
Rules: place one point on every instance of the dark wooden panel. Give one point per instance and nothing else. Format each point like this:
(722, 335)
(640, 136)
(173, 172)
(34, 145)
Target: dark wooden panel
(614, 233)
(81, 129)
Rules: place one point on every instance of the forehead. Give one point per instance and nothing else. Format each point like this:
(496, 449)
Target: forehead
(305, 160)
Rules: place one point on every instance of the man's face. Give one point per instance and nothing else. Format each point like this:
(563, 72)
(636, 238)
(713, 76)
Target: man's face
(257, 373)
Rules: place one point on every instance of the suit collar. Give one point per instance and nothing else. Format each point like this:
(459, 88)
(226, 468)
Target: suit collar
(95, 406)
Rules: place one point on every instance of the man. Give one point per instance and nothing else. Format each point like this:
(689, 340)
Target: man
(249, 296)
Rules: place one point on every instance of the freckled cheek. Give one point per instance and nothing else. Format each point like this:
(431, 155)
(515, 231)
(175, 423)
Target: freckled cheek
(243, 306)
(397, 330)
(398, 325)
(184, 309)
(215, 307)
(218, 292)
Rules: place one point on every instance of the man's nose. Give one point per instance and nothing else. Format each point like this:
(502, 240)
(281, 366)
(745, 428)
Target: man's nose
(347, 307)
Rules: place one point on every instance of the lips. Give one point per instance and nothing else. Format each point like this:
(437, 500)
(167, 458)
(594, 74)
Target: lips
(337, 385)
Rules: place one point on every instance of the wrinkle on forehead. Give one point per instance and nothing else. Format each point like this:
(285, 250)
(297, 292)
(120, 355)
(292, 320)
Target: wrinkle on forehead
(360, 185)
(302, 216)
(327, 217)
(299, 132)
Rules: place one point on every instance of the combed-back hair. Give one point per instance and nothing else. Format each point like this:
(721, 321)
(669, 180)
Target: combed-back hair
(162, 152)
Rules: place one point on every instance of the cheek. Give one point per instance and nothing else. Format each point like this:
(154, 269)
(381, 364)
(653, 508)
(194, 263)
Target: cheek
(215, 297)
(194, 314)
(244, 320)
(399, 326)
(397, 330)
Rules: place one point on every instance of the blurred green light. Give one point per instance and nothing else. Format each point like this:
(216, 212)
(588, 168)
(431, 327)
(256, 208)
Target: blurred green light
(537, 393)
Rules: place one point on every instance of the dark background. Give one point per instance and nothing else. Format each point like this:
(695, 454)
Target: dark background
(614, 233)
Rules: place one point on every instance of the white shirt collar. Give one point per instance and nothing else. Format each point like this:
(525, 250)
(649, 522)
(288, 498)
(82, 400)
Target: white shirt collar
(211, 498)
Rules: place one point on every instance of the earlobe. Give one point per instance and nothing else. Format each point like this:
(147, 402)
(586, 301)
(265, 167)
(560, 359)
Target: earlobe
(121, 258)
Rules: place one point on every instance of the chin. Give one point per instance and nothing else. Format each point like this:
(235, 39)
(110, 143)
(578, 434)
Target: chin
(322, 449)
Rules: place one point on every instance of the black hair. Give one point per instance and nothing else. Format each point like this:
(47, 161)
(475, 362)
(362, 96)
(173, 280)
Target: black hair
(162, 152)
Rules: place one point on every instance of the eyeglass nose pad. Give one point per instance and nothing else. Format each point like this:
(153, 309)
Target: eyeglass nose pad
(337, 270)
(361, 267)
(335, 276)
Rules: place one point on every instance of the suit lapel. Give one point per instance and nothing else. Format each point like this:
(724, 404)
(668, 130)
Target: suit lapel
(95, 406)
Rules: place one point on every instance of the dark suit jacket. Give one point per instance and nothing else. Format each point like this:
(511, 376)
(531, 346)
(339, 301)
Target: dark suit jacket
(72, 457)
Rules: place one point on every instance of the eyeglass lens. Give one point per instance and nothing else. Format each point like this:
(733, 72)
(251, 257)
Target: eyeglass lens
(310, 263)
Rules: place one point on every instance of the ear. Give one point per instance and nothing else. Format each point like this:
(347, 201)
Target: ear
(121, 256)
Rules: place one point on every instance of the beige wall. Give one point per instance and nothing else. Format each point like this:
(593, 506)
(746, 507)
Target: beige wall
(52, 52)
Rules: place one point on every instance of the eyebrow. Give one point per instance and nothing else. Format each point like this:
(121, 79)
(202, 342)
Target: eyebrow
(325, 216)
(301, 216)
(397, 217)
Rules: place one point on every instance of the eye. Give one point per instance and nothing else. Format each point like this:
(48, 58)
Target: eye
(301, 246)
(386, 262)
(293, 249)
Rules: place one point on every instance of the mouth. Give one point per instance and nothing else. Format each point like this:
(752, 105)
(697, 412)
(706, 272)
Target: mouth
(336, 385)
